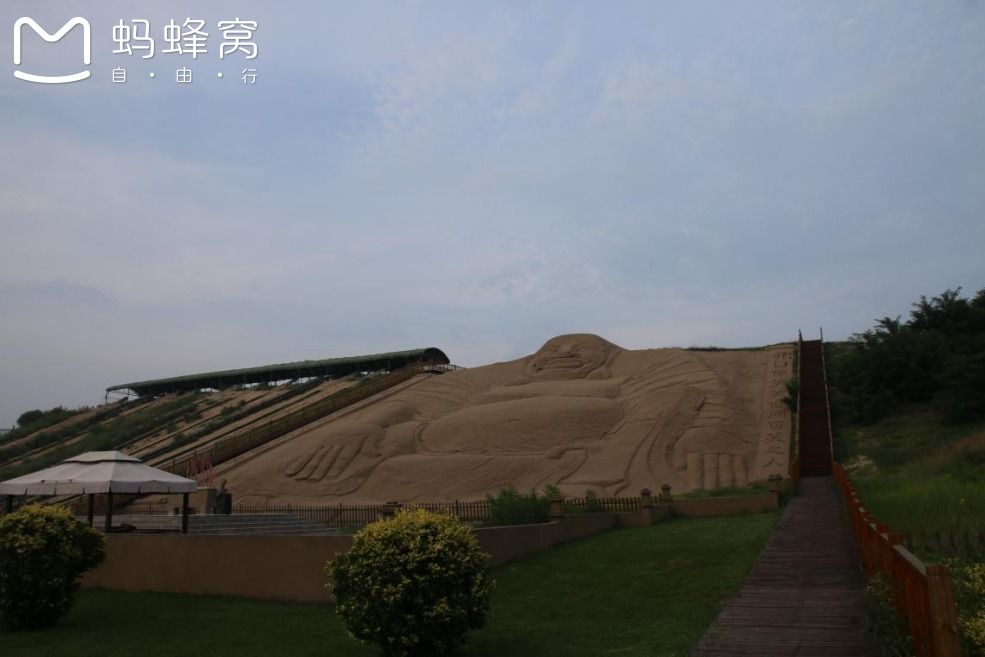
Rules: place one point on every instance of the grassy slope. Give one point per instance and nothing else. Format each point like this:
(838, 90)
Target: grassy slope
(628, 592)
(106, 435)
(920, 474)
(914, 471)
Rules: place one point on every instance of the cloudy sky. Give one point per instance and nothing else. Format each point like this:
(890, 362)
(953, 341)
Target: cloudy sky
(479, 177)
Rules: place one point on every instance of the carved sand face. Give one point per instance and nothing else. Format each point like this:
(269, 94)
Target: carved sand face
(570, 357)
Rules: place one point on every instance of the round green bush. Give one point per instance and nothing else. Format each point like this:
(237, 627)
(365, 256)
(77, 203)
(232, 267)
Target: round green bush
(414, 584)
(43, 552)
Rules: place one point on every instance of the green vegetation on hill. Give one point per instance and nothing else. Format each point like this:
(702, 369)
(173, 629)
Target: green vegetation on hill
(38, 440)
(627, 592)
(37, 420)
(907, 415)
(937, 356)
(232, 414)
(98, 436)
(118, 425)
(908, 412)
(916, 473)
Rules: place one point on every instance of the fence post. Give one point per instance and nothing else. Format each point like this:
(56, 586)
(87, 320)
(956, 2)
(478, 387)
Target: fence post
(775, 481)
(896, 574)
(646, 506)
(944, 638)
(665, 495)
(557, 508)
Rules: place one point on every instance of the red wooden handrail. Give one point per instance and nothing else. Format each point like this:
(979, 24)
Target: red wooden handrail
(922, 593)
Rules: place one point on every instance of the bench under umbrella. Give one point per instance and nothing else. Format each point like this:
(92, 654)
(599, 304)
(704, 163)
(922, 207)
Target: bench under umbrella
(101, 472)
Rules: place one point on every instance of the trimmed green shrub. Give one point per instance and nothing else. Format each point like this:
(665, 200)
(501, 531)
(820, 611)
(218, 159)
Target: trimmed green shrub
(509, 507)
(414, 584)
(591, 505)
(43, 552)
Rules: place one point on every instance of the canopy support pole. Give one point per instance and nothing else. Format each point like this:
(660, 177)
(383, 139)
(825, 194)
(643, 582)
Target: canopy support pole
(92, 508)
(109, 511)
(184, 513)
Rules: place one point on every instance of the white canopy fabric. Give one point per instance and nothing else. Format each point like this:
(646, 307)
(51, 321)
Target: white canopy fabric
(98, 472)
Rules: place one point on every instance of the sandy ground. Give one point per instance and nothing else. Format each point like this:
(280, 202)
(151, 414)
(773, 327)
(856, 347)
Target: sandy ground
(581, 412)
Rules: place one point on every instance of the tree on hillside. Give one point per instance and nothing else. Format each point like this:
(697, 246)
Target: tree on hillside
(29, 417)
(938, 355)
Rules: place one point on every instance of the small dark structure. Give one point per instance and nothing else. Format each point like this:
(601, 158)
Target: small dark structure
(334, 367)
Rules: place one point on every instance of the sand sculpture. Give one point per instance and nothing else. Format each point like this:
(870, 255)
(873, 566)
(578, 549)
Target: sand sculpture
(581, 413)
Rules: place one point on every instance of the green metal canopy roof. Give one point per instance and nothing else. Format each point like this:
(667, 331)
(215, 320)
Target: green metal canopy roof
(300, 369)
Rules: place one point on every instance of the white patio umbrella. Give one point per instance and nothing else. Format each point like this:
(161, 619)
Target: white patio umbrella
(101, 472)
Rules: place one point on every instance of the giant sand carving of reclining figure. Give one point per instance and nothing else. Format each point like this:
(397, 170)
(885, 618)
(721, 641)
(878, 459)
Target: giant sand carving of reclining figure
(581, 412)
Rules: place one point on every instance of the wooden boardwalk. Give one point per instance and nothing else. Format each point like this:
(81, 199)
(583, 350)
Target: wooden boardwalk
(805, 594)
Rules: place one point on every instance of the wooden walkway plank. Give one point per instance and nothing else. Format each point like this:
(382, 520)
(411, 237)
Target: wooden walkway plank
(805, 595)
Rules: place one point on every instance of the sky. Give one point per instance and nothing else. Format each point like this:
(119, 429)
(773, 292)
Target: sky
(477, 177)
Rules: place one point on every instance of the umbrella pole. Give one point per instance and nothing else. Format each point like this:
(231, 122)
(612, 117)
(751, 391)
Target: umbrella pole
(109, 511)
(184, 513)
(92, 508)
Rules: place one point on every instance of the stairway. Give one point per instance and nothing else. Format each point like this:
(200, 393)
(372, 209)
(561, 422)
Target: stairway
(815, 430)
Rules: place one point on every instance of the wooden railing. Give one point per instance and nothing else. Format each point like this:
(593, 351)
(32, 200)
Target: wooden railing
(467, 510)
(967, 542)
(602, 504)
(923, 593)
(827, 397)
(357, 515)
(335, 515)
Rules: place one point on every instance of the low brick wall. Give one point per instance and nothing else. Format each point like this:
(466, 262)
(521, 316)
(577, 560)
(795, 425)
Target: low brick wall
(642, 518)
(274, 567)
(285, 567)
(507, 543)
(292, 567)
(725, 506)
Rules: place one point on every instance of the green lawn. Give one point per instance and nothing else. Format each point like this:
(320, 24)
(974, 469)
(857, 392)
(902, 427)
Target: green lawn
(628, 592)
